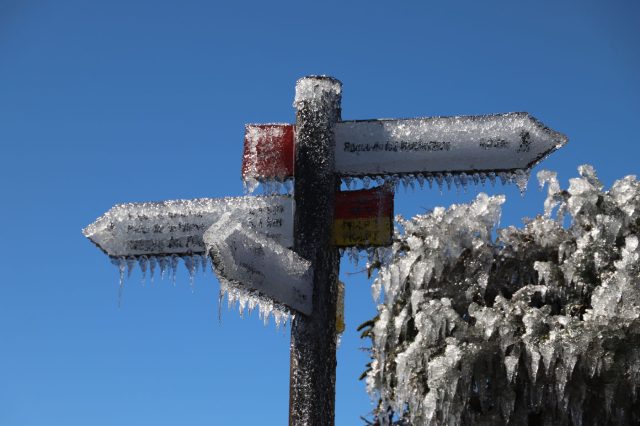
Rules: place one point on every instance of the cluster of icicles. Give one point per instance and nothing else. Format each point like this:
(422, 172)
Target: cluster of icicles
(540, 325)
(460, 181)
(246, 301)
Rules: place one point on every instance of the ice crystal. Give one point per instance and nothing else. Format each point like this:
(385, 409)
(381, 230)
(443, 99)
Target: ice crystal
(538, 326)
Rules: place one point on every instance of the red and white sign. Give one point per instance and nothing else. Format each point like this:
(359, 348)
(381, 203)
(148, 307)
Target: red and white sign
(460, 144)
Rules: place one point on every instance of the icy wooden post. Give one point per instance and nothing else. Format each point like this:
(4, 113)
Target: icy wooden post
(313, 337)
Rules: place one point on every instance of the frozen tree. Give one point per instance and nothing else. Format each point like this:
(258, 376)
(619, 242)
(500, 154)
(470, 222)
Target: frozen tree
(539, 325)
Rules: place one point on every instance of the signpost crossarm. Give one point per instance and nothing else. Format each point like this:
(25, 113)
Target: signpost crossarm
(313, 337)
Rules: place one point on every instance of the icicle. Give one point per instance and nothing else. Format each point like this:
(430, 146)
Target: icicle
(522, 180)
(348, 181)
(121, 263)
(430, 180)
(242, 304)
(483, 178)
(457, 182)
(143, 261)
(197, 262)
(265, 187)
(152, 267)
(354, 255)
(492, 178)
(131, 264)
(420, 178)
(366, 182)
(504, 178)
(174, 267)
(448, 177)
(476, 179)
(289, 186)
(190, 264)
(250, 185)
(341, 251)
(405, 182)
(371, 252)
(205, 262)
(249, 299)
(464, 181)
(440, 181)
(164, 264)
(379, 180)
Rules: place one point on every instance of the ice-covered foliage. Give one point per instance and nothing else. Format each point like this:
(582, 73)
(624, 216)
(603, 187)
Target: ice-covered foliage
(538, 326)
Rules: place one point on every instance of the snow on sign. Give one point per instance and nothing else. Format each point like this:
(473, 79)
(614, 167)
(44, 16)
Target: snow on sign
(431, 147)
(176, 227)
(258, 263)
(363, 218)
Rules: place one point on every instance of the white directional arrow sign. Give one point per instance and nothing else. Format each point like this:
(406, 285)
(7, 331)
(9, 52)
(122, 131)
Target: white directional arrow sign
(484, 144)
(502, 142)
(177, 227)
(259, 263)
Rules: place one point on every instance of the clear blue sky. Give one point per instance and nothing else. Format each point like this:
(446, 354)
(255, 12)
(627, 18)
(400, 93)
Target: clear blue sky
(116, 101)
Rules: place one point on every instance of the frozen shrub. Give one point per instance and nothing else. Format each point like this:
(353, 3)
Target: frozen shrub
(537, 326)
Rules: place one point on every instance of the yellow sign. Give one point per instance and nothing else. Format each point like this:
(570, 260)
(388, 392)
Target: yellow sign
(375, 231)
(363, 218)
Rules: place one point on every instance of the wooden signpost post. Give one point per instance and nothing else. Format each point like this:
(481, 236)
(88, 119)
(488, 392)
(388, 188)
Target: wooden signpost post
(285, 248)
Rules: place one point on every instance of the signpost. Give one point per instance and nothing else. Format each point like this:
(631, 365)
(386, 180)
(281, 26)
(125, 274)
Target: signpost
(431, 148)
(289, 255)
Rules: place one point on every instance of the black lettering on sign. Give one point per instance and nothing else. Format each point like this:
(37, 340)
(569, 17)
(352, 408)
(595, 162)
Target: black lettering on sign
(494, 143)
(395, 146)
(525, 142)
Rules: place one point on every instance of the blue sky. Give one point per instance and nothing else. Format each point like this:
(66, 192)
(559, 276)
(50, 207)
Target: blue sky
(117, 101)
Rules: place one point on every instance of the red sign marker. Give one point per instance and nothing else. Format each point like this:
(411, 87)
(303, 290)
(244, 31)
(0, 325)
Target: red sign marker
(268, 151)
(363, 218)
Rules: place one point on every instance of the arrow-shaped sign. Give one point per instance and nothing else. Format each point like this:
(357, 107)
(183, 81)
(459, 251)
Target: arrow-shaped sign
(258, 263)
(500, 143)
(177, 227)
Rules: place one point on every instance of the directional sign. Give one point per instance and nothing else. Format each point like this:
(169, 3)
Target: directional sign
(268, 150)
(250, 238)
(176, 227)
(258, 263)
(461, 144)
(364, 218)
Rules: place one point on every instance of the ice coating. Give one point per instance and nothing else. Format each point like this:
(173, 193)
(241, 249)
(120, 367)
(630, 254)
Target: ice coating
(310, 89)
(469, 144)
(541, 326)
(260, 264)
(246, 300)
(268, 151)
(176, 227)
(442, 181)
(455, 151)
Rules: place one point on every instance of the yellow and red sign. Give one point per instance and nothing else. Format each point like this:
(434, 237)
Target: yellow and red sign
(363, 218)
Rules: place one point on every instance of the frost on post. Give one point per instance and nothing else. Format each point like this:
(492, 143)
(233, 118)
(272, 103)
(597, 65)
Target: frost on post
(541, 326)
